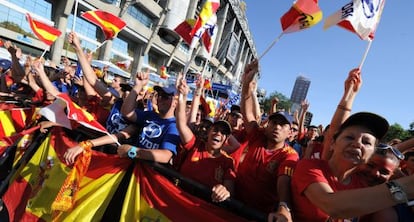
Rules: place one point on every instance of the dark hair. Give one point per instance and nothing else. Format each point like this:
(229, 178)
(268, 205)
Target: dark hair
(408, 154)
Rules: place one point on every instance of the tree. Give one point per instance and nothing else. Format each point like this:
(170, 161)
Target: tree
(284, 102)
(397, 131)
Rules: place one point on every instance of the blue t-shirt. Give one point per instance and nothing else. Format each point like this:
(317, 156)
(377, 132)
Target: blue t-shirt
(115, 121)
(157, 133)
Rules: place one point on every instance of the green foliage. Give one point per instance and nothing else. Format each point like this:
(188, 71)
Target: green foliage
(16, 28)
(397, 131)
(284, 102)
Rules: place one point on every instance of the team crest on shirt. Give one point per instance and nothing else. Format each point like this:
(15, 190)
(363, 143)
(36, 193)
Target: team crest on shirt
(152, 130)
(271, 166)
(219, 174)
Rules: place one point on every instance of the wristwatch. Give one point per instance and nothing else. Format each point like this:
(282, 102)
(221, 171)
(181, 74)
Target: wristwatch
(397, 192)
(132, 152)
(284, 204)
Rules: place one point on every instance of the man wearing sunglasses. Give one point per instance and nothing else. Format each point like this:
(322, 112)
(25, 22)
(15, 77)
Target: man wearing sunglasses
(380, 168)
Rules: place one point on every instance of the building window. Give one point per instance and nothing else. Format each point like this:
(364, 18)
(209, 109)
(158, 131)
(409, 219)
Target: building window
(39, 7)
(141, 16)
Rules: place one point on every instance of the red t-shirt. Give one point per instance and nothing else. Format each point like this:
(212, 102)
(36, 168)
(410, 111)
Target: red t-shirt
(203, 168)
(256, 182)
(99, 112)
(307, 172)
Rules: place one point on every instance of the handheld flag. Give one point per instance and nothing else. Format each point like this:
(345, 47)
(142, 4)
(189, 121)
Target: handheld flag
(209, 35)
(110, 24)
(302, 15)
(209, 9)
(63, 110)
(184, 30)
(44, 32)
(359, 17)
(163, 73)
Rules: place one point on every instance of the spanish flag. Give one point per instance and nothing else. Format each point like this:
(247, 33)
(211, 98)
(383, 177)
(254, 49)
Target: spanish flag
(31, 195)
(163, 72)
(184, 30)
(106, 192)
(110, 24)
(44, 32)
(302, 15)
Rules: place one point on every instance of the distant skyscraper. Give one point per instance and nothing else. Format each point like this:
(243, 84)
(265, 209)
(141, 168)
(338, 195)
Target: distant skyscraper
(299, 92)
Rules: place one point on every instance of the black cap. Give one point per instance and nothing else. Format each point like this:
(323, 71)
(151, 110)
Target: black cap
(283, 115)
(378, 125)
(224, 125)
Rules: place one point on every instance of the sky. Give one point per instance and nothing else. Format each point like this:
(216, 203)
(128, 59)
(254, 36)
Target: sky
(327, 56)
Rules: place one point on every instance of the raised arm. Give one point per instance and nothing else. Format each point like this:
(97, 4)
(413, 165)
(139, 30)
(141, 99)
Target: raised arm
(352, 85)
(87, 69)
(246, 102)
(195, 103)
(47, 84)
(185, 132)
(130, 102)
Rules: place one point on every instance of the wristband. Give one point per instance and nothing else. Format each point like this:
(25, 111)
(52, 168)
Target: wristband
(132, 152)
(344, 108)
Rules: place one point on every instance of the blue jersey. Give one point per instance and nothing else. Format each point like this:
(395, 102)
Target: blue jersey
(115, 121)
(157, 133)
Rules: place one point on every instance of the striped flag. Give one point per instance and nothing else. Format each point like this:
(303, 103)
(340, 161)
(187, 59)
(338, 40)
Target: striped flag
(65, 112)
(302, 15)
(184, 29)
(210, 7)
(110, 24)
(30, 196)
(44, 32)
(148, 195)
(359, 17)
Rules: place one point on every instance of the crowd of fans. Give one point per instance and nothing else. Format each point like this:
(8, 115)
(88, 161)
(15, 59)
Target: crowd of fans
(277, 165)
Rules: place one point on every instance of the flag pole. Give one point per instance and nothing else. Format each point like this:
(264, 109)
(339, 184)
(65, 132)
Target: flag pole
(99, 46)
(43, 54)
(365, 54)
(75, 14)
(190, 58)
(271, 45)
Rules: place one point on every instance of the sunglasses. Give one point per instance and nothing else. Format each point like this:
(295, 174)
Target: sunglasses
(383, 148)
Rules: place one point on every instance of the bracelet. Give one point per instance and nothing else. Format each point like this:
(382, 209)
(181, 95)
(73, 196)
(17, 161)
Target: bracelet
(86, 145)
(344, 108)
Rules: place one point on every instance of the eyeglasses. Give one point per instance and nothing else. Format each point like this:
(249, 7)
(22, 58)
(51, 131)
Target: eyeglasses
(383, 148)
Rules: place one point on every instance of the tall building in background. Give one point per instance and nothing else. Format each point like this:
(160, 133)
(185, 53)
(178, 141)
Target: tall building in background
(299, 92)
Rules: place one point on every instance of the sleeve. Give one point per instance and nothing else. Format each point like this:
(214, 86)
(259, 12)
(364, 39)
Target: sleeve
(307, 173)
(288, 165)
(190, 144)
(171, 139)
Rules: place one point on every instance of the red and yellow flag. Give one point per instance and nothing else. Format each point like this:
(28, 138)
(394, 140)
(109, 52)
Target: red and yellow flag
(302, 15)
(184, 30)
(209, 9)
(110, 24)
(30, 196)
(163, 72)
(44, 32)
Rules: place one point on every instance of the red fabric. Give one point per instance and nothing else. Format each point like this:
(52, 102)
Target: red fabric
(110, 24)
(215, 170)
(184, 30)
(100, 113)
(44, 32)
(256, 182)
(306, 173)
(176, 204)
